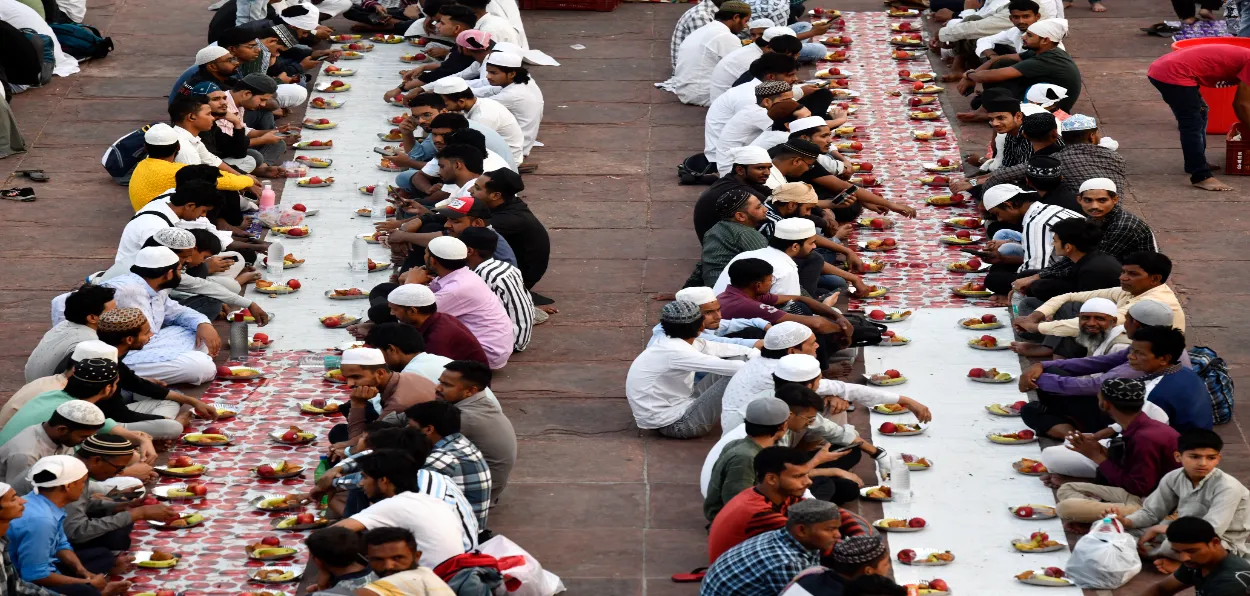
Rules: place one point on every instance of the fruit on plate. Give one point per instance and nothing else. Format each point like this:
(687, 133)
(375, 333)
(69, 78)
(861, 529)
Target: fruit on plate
(837, 56)
(889, 409)
(973, 287)
(915, 463)
(890, 337)
(186, 520)
(1023, 435)
(984, 320)
(880, 492)
(302, 519)
(335, 375)
(985, 341)
(347, 292)
(889, 522)
(282, 467)
(274, 575)
(1037, 541)
(295, 434)
(973, 264)
(1030, 466)
(333, 321)
(906, 555)
(893, 428)
(320, 406)
(1049, 576)
(1006, 409)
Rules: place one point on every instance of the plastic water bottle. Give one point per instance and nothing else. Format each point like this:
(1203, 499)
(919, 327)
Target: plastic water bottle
(360, 262)
(379, 202)
(273, 271)
(900, 482)
(239, 338)
(267, 197)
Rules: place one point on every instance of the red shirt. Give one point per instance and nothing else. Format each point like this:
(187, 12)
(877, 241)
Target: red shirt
(1216, 65)
(749, 514)
(446, 336)
(736, 305)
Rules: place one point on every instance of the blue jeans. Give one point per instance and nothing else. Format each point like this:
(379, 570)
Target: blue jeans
(1191, 120)
(1243, 9)
(827, 281)
(811, 52)
(1015, 249)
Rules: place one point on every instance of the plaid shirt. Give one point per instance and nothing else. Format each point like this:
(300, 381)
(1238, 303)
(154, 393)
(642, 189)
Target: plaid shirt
(761, 566)
(1122, 234)
(455, 456)
(10, 583)
(697, 16)
(1078, 163)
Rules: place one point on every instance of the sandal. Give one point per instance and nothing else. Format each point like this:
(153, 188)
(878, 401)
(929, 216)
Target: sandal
(1160, 30)
(36, 175)
(693, 576)
(23, 195)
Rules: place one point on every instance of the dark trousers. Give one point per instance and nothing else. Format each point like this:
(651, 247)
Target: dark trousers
(1191, 120)
(361, 15)
(837, 490)
(338, 432)
(209, 307)
(1081, 411)
(1017, 86)
(1185, 8)
(818, 102)
(955, 6)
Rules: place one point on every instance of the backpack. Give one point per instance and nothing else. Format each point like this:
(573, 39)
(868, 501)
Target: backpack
(46, 51)
(124, 154)
(867, 332)
(1214, 372)
(82, 41)
(696, 170)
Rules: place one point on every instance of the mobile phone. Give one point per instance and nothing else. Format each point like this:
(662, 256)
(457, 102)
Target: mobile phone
(978, 253)
(321, 58)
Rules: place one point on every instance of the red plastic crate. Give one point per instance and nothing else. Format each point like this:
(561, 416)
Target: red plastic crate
(1238, 161)
(599, 5)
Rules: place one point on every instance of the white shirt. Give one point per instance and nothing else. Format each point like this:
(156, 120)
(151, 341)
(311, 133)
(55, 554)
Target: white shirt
(137, 232)
(434, 523)
(525, 101)
(192, 151)
(509, 11)
(731, 67)
(661, 379)
(771, 138)
(499, 28)
(24, 17)
(493, 114)
(755, 380)
(427, 365)
(76, 10)
(724, 108)
(743, 128)
(785, 271)
(697, 56)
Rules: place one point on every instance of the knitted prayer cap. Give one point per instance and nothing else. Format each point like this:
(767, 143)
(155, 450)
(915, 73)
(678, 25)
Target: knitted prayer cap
(1123, 390)
(858, 549)
(1043, 166)
(771, 88)
(681, 311)
(731, 202)
(121, 319)
(96, 370)
(175, 238)
(736, 6)
(106, 445)
(81, 412)
(1077, 122)
(812, 511)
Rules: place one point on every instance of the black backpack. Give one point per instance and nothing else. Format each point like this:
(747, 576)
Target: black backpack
(867, 333)
(696, 170)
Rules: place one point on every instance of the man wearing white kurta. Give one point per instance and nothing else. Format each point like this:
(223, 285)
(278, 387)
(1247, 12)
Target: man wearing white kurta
(509, 11)
(738, 61)
(747, 125)
(703, 49)
(522, 97)
(486, 111)
(769, 67)
(794, 231)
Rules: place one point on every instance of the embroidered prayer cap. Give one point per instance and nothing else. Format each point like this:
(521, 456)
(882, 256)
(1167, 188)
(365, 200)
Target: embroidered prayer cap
(1152, 313)
(504, 59)
(736, 6)
(1045, 94)
(107, 445)
(858, 550)
(98, 370)
(94, 348)
(284, 35)
(474, 40)
(812, 511)
(364, 357)
(1100, 306)
(56, 470)
(155, 257)
(1098, 184)
(680, 312)
(786, 335)
(794, 192)
(175, 238)
(760, 24)
(447, 86)
(1078, 122)
(204, 88)
(121, 319)
(807, 123)
(772, 32)
(750, 155)
(798, 368)
(767, 411)
(1052, 29)
(81, 412)
(160, 134)
(771, 88)
(999, 194)
(1123, 390)
(699, 295)
(448, 247)
(731, 202)
(209, 54)
(1044, 166)
(411, 295)
(794, 228)
(302, 16)
(999, 100)
(807, 149)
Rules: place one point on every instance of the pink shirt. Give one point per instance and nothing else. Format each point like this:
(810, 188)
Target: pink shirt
(463, 294)
(1216, 65)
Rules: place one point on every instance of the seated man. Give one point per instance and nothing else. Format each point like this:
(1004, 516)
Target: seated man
(12, 507)
(749, 294)
(733, 470)
(1209, 566)
(660, 386)
(700, 52)
(1044, 174)
(1082, 156)
(511, 218)
(1018, 254)
(780, 475)
(365, 372)
(740, 100)
(764, 564)
(404, 350)
(846, 199)
(1131, 472)
(1123, 233)
(83, 308)
(750, 121)
(453, 454)
(1044, 61)
(1098, 336)
(391, 551)
(444, 334)
(1022, 14)
(340, 569)
(854, 560)
(466, 384)
(792, 239)
(716, 328)
(741, 213)
(1009, 147)
(777, 39)
(751, 166)
(1076, 241)
(487, 111)
(69, 425)
(1198, 489)
(503, 279)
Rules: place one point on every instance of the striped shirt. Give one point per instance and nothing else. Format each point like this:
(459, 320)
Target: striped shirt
(1122, 234)
(507, 283)
(1039, 248)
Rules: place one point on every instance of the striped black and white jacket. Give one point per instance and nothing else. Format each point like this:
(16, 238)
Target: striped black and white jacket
(1039, 248)
(505, 280)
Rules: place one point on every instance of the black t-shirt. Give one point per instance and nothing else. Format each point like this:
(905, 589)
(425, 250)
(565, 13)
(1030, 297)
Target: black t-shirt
(1063, 197)
(705, 215)
(1055, 67)
(1230, 578)
(527, 236)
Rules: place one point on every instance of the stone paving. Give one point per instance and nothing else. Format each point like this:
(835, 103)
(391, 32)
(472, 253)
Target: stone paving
(611, 510)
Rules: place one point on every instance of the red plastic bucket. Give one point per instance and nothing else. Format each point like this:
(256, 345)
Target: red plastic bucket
(1220, 118)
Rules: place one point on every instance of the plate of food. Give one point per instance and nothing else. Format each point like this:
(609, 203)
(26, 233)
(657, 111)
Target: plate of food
(915, 463)
(335, 86)
(347, 294)
(925, 557)
(943, 164)
(902, 12)
(270, 547)
(1011, 410)
(314, 145)
(374, 238)
(828, 14)
(1020, 437)
(916, 101)
(889, 409)
(247, 315)
(960, 238)
(871, 266)
(973, 265)
(973, 289)
(916, 77)
(180, 492)
(890, 339)
(969, 223)
(837, 40)
(357, 46)
(924, 115)
(1029, 467)
(293, 436)
(268, 287)
(893, 316)
(303, 521)
(387, 165)
(336, 71)
(314, 162)
(879, 245)
(907, 55)
(845, 130)
(876, 493)
(886, 379)
(368, 190)
(1050, 577)
(238, 373)
(849, 147)
(181, 466)
(334, 376)
(931, 587)
(984, 322)
(318, 406)
(376, 266)
(875, 223)
(186, 520)
(891, 524)
(831, 73)
(418, 57)
(210, 437)
(922, 135)
(987, 342)
(322, 103)
(938, 180)
(838, 56)
(910, 39)
(1038, 542)
(845, 94)
(901, 429)
(920, 88)
(315, 182)
(1032, 511)
(338, 321)
(278, 574)
(394, 135)
(345, 37)
(123, 488)
(390, 39)
(875, 292)
(278, 470)
(155, 559)
(292, 232)
(992, 375)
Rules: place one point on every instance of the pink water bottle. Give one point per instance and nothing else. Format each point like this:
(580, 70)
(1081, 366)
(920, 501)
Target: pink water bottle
(267, 197)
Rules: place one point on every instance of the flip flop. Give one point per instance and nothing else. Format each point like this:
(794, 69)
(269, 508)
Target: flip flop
(36, 175)
(23, 195)
(689, 578)
(1160, 30)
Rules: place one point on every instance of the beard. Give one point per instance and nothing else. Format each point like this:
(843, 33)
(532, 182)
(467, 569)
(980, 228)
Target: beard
(1091, 341)
(173, 282)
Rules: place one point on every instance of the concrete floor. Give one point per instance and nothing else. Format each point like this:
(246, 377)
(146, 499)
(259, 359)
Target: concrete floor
(611, 510)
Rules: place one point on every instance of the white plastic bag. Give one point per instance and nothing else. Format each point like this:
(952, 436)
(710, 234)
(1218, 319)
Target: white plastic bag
(1106, 558)
(525, 579)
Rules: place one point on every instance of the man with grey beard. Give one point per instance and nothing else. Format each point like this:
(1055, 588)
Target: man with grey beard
(1099, 334)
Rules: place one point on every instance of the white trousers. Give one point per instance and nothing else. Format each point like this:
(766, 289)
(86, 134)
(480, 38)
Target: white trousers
(192, 368)
(1061, 460)
(226, 278)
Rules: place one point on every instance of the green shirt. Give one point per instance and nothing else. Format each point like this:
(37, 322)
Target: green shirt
(724, 241)
(1230, 578)
(38, 411)
(1055, 67)
(733, 472)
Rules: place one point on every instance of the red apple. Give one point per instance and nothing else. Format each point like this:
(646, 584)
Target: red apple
(1025, 434)
(908, 458)
(294, 284)
(877, 315)
(974, 263)
(271, 541)
(212, 430)
(906, 555)
(888, 428)
(963, 234)
(1039, 536)
(888, 242)
(888, 333)
(1019, 404)
(265, 470)
(940, 179)
(939, 585)
(980, 287)
(337, 84)
(305, 518)
(420, 56)
(1038, 468)
(915, 522)
(913, 36)
(1025, 511)
(904, 73)
(939, 133)
(893, 374)
(864, 166)
(290, 436)
(904, 26)
(150, 500)
(917, 85)
(989, 339)
(901, 54)
(834, 71)
(297, 232)
(224, 371)
(818, 11)
(1053, 572)
(315, 143)
(323, 121)
(199, 490)
(315, 180)
(915, 102)
(878, 223)
(976, 373)
(166, 593)
(260, 337)
(299, 207)
(868, 180)
(944, 162)
(856, 145)
(331, 322)
(988, 318)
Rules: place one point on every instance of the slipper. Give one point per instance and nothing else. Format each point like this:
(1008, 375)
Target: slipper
(527, 168)
(36, 175)
(23, 195)
(693, 576)
(1160, 30)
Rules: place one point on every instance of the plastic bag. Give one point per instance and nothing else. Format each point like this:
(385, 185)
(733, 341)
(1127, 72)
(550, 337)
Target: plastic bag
(1105, 558)
(523, 574)
(283, 217)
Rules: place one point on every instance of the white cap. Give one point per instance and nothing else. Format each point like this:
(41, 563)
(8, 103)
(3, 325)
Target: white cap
(1101, 306)
(760, 24)
(411, 295)
(772, 32)
(81, 411)
(447, 86)
(750, 155)
(999, 194)
(308, 20)
(794, 228)
(63, 469)
(1045, 94)
(4, 489)
(1098, 184)
(807, 123)
(1028, 109)
(160, 134)
(363, 357)
(699, 295)
(448, 247)
(505, 59)
(1052, 29)
(155, 257)
(93, 348)
(1152, 313)
(209, 54)
(786, 335)
(799, 368)
(175, 238)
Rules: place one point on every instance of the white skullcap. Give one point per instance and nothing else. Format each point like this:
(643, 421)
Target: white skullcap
(1052, 29)
(64, 469)
(799, 368)
(699, 295)
(1098, 184)
(1152, 313)
(1045, 94)
(448, 247)
(4, 489)
(175, 238)
(785, 335)
(93, 348)
(999, 194)
(750, 155)
(411, 295)
(209, 54)
(290, 95)
(155, 257)
(760, 24)
(160, 134)
(505, 59)
(1028, 109)
(1101, 306)
(807, 123)
(307, 21)
(82, 412)
(364, 357)
(447, 86)
(794, 228)
(772, 32)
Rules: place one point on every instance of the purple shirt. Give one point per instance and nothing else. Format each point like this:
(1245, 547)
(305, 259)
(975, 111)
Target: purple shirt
(1149, 447)
(736, 305)
(463, 294)
(1108, 366)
